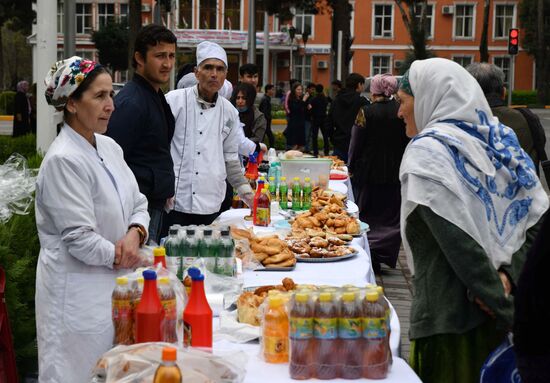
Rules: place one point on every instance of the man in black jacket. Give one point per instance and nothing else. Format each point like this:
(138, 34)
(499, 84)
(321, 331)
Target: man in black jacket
(343, 111)
(143, 124)
(265, 108)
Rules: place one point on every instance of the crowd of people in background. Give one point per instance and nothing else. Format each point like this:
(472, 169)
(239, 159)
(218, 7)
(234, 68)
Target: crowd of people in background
(438, 162)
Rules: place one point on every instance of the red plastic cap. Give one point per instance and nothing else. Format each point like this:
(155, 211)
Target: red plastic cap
(169, 354)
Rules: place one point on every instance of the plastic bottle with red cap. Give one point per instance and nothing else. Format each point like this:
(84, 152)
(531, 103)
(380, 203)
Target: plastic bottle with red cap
(149, 313)
(168, 371)
(197, 316)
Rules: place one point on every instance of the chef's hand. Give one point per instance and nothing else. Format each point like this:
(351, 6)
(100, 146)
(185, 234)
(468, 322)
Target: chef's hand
(248, 199)
(169, 205)
(127, 251)
(263, 147)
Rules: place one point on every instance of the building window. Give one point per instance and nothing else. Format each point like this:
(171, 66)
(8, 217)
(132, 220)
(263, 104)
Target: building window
(83, 18)
(380, 65)
(383, 14)
(303, 21)
(464, 21)
(504, 19)
(88, 55)
(207, 14)
(504, 64)
(60, 17)
(303, 69)
(429, 18)
(232, 15)
(463, 60)
(105, 14)
(185, 20)
(123, 15)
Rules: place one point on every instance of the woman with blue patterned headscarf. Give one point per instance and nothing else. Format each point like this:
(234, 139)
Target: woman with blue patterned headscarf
(471, 203)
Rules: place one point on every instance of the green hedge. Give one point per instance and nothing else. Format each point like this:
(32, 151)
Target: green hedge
(19, 248)
(6, 102)
(524, 97)
(280, 142)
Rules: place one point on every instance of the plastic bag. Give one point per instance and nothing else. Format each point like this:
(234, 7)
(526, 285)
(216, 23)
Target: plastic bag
(138, 363)
(246, 255)
(500, 366)
(175, 283)
(17, 185)
(221, 290)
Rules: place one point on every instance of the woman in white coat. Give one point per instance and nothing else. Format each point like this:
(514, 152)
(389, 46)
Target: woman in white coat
(91, 221)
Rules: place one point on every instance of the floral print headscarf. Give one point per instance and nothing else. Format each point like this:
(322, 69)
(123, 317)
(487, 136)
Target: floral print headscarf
(64, 78)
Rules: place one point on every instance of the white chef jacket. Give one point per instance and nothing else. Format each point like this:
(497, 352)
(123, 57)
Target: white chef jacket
(85, 201)
(204, 139)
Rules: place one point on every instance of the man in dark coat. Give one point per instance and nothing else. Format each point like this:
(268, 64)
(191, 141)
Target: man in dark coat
(143, 123)
(343, 111)
(22, 110)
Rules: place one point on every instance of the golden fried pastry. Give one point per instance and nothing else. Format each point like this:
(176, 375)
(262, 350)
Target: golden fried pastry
(278, 258)
(299, 246)
(315, 222)
(315, 233)
(319, 242)
(340, 230)
(260, 257)
(345, 237)
(335, 200)
(303, 222)
(248, 308)
(317, 252)
(339, 222)
(353, 227)
(335, 241)
(237, 233)
(289, 284)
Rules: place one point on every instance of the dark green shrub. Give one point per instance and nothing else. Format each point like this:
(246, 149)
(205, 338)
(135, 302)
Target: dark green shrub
(24, 145)
(19, 248)
(6, 102)
(524, 97)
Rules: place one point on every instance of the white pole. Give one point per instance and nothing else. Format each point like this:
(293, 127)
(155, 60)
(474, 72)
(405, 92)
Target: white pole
(265, 77)
(339, 58)
(46, 49)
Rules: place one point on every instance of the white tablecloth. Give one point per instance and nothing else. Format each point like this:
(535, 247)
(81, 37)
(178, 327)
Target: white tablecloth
(356, 271)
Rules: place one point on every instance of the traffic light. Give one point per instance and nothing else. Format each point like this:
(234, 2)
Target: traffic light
(513, 41)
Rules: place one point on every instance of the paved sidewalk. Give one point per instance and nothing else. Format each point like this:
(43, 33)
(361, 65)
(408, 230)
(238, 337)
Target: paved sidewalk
(398, 289)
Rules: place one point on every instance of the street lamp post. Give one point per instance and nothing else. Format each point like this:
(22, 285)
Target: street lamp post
(292, 35)
(305, 38)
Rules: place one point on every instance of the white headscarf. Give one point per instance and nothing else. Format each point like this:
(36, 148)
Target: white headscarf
(466, 166)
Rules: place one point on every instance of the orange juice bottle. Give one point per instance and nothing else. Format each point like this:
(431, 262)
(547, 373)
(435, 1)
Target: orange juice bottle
(275, 331)
(168, 371)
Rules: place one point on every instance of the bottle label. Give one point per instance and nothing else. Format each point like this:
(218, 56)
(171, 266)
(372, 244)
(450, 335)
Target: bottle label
(374, 328)
(262, 216)
(301, 328)
(325, 328)
(274, 345)
(122, 309)
(349, 328)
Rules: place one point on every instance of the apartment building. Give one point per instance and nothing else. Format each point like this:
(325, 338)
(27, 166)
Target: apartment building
(381, 39)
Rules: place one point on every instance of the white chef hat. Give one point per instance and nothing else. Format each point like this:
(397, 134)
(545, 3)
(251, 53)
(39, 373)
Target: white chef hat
(209, 50)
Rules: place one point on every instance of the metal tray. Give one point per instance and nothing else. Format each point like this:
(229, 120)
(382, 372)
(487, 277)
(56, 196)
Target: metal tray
(325, 260)
(278, 268)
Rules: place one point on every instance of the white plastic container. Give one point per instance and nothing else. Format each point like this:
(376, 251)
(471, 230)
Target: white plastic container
(318, 169)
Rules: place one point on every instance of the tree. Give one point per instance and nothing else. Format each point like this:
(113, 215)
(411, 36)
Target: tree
(483, 45)
(415, 21)
(340, 10)
(534, 17)
(134, 22)
(111, 41)
(20, 15)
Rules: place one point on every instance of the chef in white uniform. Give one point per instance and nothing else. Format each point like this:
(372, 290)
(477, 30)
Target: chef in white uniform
(91, 221)
(206, 142)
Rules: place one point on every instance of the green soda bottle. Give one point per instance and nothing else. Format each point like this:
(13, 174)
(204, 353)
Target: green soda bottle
(306, 200)
(296, 194)
(272, 189)
(283, 194)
